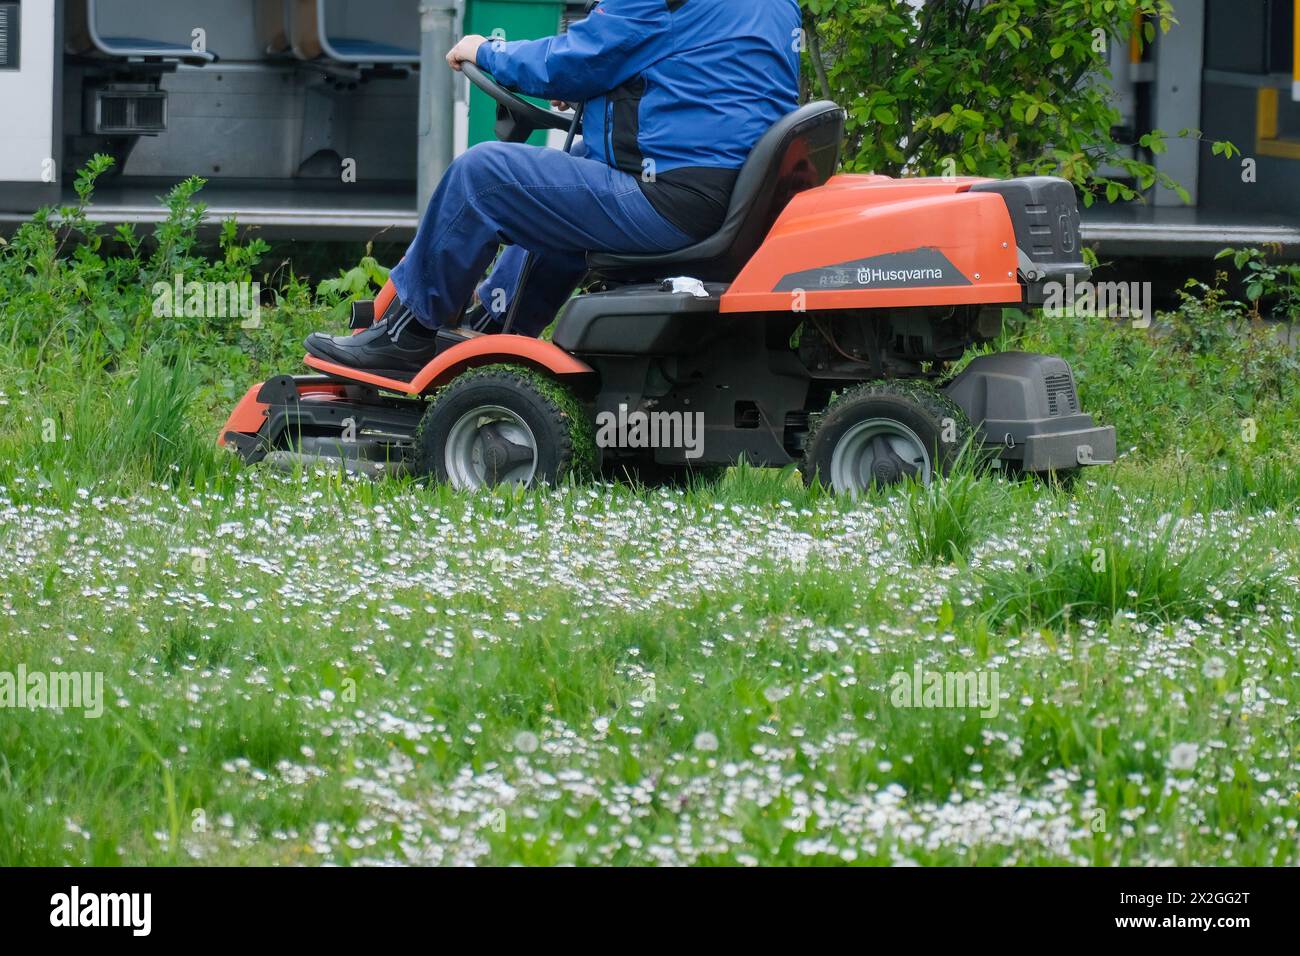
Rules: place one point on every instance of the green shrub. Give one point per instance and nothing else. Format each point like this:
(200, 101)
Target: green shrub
(71, 291)
(985, 87)
(1272, 288)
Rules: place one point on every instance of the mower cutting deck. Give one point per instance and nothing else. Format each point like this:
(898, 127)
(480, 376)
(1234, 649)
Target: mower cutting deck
(817, 329)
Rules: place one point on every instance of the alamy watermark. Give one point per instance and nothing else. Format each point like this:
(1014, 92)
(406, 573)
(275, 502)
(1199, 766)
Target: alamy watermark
(73, 909)
(209, 300)
(960, 690)
(1088, 299)
(626, 429)
(54, 690)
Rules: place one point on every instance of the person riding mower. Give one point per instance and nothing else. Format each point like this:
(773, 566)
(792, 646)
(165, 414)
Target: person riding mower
(770, 311)
(673, 95)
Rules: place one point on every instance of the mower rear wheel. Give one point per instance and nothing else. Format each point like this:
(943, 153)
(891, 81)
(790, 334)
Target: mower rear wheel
(882, 434)
(505, 425)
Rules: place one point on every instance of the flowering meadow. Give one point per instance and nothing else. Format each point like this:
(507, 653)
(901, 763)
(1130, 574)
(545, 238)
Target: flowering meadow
(309, 669)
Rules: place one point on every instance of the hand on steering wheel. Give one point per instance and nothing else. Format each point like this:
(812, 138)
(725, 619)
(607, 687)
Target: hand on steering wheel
(511, 104)
(466, 51)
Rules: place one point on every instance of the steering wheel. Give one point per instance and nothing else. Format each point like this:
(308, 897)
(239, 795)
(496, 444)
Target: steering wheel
(518, 118)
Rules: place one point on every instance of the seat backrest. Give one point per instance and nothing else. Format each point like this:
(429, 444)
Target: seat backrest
(76, 28)
(800, 152)
(272, 23)
(304, 29)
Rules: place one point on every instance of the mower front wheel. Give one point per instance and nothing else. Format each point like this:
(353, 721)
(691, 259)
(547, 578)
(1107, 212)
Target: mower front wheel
(882, 434)
(505, 425)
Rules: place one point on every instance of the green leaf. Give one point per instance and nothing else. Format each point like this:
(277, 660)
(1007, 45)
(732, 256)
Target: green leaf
(115, 334)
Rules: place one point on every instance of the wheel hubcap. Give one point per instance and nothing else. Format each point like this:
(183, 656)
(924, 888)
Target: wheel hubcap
(880, 452)
(490, 446)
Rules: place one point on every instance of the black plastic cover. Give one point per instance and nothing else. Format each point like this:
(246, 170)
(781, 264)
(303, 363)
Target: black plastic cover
(1045, 214)
(639, 320)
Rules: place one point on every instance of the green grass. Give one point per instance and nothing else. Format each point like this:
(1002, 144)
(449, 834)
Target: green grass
(1136, 557)
(947, 517)
(320, 670)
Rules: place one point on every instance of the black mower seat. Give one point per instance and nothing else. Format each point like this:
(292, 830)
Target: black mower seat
(799, 152)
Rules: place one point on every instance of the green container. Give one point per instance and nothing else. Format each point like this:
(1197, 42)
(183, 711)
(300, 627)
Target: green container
(516, 20)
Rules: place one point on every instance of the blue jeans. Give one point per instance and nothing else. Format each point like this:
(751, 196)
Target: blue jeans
(557, 205)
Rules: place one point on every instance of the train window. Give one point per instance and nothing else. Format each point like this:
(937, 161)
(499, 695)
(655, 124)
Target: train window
(1277, 125)
(1281, 32)
(1249, 36)
(1277, 114)
(9, 45)
(1288, 119)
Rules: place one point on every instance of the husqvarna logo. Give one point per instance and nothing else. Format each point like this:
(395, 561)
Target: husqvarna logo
(895, 270)
(898, 276)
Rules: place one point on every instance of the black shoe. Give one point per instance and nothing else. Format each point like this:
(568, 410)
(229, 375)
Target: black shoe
(479, 319)
(397, 346)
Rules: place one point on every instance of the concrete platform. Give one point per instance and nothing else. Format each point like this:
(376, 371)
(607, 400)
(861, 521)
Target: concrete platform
(1151, 232)
(313, 210)
(307, 210)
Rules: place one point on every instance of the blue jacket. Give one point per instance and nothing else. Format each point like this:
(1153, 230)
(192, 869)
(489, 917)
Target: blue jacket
(679, 83)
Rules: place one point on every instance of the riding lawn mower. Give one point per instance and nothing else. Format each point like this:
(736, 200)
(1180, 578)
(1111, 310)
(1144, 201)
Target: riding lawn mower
(817, 327)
